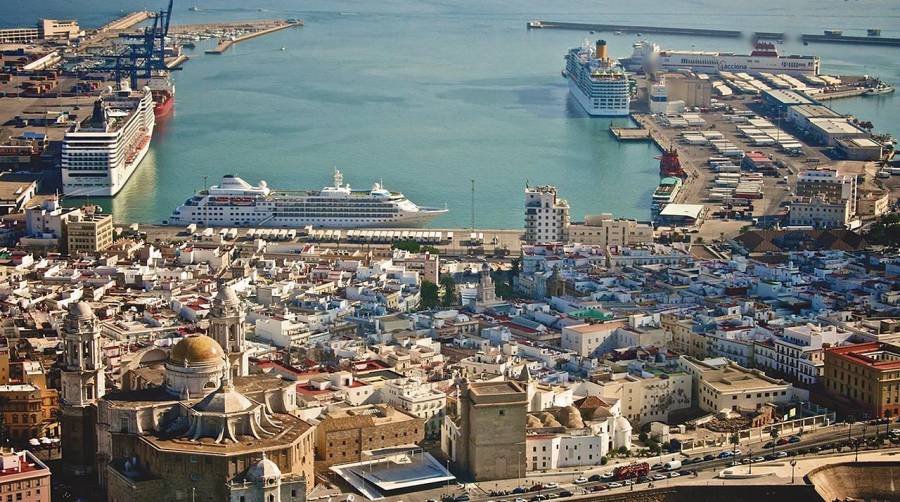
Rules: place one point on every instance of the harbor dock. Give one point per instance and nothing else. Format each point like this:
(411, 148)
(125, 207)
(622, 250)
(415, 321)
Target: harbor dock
(224, 45)
(629, 133)
(127, 21)
(768, 35)
(845, 39)
(633, 29)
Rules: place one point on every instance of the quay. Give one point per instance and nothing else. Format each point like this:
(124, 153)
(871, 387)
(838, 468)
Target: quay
(633, 29)
(848, 93)
(224, 45)
(629, 133)
(844, 39)
(768, 35)
(173, 63)
(126, 21)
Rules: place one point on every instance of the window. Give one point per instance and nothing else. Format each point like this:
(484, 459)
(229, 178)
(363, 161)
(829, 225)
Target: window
(502, 412)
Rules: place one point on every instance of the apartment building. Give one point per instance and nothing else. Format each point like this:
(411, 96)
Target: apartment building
(798, 353)
(722, 385)
(89, 233)
(604, 230)
(23, 478)
(417, 398)
(546, 216)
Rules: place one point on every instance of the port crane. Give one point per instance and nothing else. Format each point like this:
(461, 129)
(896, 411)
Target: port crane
(144, 52)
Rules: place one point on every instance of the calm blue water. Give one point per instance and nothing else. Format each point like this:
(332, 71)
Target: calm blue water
(426, 95)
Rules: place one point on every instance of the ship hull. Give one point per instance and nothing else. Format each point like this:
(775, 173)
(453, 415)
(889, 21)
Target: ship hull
(164, 108)
(415, 220)
(585, 102)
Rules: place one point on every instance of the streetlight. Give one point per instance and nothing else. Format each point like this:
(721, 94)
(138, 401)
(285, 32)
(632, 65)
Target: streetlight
(793, 464)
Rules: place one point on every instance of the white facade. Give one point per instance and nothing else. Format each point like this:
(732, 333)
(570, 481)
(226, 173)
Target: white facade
(819, 212)
(650, 398)
(598, 83)
(101, 153)
(830, 183)
(798, 353)
(417, 398)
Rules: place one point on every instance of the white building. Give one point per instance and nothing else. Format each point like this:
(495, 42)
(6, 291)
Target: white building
(820, 212)
(830, 183)
(799, 352)
(546, 215)
(722, 385)
(648, 397)
(586, 339)
(417, 398)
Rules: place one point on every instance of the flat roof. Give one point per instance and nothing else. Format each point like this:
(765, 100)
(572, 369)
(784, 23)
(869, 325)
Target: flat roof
(495, 388)
(411, 469)
(786, 97)
(840, 125)
(683, 210)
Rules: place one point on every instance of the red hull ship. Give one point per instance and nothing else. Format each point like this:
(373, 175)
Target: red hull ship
(669, 165)
(163, 91)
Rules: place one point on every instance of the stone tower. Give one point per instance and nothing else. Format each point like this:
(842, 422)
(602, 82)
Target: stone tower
(83, 382)
(492, 430)
(226, 326)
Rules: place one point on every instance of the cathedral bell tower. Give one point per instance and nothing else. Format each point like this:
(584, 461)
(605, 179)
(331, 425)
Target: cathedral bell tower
(226, 326)
(83, 383)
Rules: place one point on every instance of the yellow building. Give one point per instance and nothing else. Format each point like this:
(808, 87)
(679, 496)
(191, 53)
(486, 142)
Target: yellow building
(89, 233)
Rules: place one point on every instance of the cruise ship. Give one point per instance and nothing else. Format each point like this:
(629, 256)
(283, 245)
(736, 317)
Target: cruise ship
(598, 83)
(236, 203)
(763, 58)
(101, 152)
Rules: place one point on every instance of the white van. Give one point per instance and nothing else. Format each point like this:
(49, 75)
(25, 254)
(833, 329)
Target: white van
(673, 465)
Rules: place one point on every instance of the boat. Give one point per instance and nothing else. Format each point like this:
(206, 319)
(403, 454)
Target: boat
(880, 89)
(763, 58)
(236, 203)
(535, 24)
(598, 82)
(101, 152)
(664, 194)
(163, 90)
(189, 45)
(669, 165)
(194, 8)
(643, 54)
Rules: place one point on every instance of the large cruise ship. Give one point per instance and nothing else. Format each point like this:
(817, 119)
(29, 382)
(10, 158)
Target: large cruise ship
(763, 58)
(597, 82)
(101, 152)
(236, 203)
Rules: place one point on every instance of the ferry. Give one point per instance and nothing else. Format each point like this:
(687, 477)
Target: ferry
(880, 89)
(101, 152)
(597, 82)
(664, 194)
(763, 58)
(236, 203)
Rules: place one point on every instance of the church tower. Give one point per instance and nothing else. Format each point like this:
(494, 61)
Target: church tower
(226, 326)
(83, 382)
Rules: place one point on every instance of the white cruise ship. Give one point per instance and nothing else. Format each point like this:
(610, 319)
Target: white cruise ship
(100, 153)
(236, 203)
(598, 83)
(763, 58)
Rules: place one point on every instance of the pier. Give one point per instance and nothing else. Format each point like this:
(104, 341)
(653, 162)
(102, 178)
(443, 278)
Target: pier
(847, 93)
(768, 35)
(633, 29)
(630, 133)
(126, 21)
(844, 39)
(224, 45)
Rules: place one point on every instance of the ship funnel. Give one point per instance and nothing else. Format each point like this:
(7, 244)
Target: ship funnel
(602, 55)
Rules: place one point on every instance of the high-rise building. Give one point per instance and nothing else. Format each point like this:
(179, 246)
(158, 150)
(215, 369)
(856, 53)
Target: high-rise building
(83, 382)
(491, 443)
(546, 215)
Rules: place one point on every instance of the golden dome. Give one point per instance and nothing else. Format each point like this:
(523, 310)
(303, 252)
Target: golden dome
(196, 349)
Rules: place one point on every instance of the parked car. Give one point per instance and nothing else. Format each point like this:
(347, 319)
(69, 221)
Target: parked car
(658, 477)
(768, 445)
(656, 467)
(782, 442)
(794, 439)
(599, 488)
(781, 454)
(566, 493)
(607, 475)
(707, 458)
(674, 474)
(615, 484)
(594, 478)
(550, 486)
(757, 459)
(580, 480)
(536, 488)
(462, 498)
(519, 490)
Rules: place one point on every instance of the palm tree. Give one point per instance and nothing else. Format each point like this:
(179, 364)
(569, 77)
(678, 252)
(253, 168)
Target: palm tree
(735, 440)
(773, 433)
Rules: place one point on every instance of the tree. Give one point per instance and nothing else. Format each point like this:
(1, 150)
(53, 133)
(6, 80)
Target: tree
(429, 295)
(885, 231)
(407, 245)
(604, 460)
(735, 440)
(642, 437)
(773, 433)
(448, 296)
(623, 451)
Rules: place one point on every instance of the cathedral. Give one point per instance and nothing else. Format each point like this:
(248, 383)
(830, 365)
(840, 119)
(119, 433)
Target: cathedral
(193, 426)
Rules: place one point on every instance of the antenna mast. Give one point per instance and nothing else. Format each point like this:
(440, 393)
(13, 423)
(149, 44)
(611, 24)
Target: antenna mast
(473, 205)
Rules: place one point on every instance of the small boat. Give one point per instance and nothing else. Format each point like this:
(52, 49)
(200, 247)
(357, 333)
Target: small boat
(189, 45)
(881, 89)
(284, 48)
(617, 33)
(194, 8)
